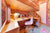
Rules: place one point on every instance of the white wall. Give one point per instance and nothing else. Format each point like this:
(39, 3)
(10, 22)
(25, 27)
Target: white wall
(42, 12)
(0, 15)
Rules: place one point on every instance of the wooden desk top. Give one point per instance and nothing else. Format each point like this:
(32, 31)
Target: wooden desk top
(13, 24)
(35, 18)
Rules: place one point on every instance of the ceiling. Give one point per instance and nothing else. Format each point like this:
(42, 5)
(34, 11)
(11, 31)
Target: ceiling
(23, 5)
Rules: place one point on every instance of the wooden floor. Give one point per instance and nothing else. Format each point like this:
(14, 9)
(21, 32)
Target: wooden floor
(26, 29)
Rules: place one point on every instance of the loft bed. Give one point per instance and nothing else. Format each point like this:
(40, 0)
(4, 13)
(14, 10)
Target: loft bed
(20, 5)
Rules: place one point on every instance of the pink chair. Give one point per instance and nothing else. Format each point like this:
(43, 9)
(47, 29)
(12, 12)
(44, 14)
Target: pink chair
(29, 22)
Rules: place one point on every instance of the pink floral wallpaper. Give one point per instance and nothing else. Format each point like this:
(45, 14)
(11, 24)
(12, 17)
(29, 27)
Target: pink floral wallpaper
(3, 7)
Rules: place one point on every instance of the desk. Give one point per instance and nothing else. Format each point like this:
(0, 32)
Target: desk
(12, 25)
(38, 20)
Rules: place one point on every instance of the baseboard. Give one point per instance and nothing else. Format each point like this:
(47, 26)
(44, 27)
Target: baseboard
(46, 24)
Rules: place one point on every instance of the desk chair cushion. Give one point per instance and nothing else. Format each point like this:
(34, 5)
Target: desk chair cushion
(29, 22)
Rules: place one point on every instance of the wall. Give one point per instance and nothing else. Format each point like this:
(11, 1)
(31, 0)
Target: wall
(4, 9)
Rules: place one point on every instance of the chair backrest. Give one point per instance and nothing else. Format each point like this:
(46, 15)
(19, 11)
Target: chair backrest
(31, 21)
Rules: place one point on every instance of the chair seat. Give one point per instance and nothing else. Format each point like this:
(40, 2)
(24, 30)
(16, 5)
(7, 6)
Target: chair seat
(29, 22)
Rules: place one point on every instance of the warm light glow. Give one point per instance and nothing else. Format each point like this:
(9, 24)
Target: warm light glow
(16, 24)
(37, 12)
(16, 15)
